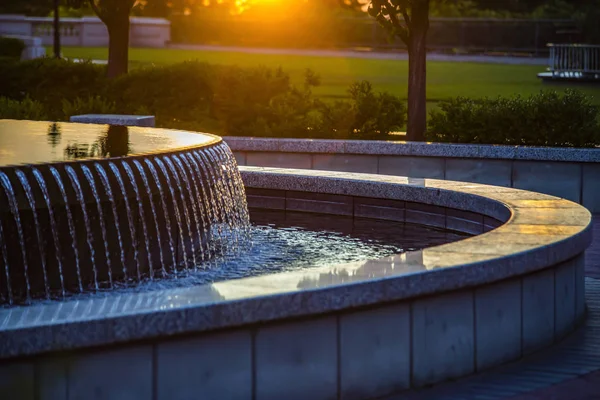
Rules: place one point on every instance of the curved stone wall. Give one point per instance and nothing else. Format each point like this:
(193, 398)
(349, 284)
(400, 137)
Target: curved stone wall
(351, 331)
(570, 173)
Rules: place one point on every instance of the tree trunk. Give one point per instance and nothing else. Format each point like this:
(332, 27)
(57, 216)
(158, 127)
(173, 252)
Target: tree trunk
(56, 29)
(118, 45)
(417, 74)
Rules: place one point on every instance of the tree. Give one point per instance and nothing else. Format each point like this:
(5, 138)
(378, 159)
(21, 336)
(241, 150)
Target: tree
(115, 15)
(409, 20)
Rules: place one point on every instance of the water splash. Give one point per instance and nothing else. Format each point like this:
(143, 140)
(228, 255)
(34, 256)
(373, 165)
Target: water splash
(53, 228)
(138, 198)
(79, 194)
(90, 178)
(132, 232)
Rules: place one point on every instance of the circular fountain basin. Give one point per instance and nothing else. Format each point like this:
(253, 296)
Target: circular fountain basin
(86, 206)
(352, 331)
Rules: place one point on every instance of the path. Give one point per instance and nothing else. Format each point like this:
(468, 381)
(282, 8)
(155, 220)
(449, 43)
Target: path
(367, 54)
(568, 371)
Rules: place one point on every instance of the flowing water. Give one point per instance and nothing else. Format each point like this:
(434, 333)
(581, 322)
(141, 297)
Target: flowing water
(71, 224)
(142, 216)
(88, 231)
(53, 227)
(92, 183)
(14, 209)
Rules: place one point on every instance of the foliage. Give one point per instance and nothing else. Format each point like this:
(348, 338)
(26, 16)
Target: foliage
(375, 114)
(192, 95)
(49, 81)
(545, 119)
(88, 105)
(21, 109)
(11, 47)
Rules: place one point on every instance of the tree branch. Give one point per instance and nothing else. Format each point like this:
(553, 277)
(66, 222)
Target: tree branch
(398, 28)
(94, 7)
(406, 16)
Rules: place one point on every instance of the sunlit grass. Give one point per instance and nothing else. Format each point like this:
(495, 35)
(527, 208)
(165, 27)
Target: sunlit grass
(445, 79)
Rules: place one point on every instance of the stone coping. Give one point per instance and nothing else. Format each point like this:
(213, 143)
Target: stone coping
(115, 119)
(420, 149)
(541, 231)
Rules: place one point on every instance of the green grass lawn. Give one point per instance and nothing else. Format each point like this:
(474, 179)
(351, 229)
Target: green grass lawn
(444, 79)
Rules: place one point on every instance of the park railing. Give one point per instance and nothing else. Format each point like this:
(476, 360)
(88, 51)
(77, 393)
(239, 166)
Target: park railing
(445, 34)
(86, 31)
(582, 59)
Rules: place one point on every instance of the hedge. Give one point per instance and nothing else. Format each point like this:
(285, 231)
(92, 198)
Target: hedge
(192, 95)
(11, 47)
(261, 101)
(544, 119)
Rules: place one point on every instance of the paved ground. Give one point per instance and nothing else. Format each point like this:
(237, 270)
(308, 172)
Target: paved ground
(569, 370)
(370, 54)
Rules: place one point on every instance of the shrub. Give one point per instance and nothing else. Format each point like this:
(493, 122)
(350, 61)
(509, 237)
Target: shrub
(11, 47)
(49, 81)
(173, 93)
(375, 114)
(87, 105)
(544, 119)
(24, 109)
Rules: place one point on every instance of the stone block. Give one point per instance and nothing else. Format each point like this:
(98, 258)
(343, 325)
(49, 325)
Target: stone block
(319, 203)
(559, 179)
(565, 298)
(464, 221)
(498, 323)
(414, 167)
(279, 160)
(240, 157)
(52, 378)
(489, 172)
(217, 366)
(115, 119)
(390, 210)
(346, 163)
(115, 374)
(425, 214)
(375, 352)
(297, 360)
(443, 341)
(579, 288)
(538, 310)
(17, 381)
(591, 187)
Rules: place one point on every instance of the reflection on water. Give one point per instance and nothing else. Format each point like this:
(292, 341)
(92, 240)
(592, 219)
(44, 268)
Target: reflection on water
(54, 134)
(33, 142)
(114, 143)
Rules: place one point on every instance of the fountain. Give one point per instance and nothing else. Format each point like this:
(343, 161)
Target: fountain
(141, 262)
(82, 215)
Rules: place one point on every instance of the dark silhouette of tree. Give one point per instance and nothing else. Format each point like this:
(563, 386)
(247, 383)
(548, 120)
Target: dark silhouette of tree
(409, 20)
(115, 15)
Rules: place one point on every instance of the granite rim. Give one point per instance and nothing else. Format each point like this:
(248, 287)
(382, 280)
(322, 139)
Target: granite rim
(420, 149)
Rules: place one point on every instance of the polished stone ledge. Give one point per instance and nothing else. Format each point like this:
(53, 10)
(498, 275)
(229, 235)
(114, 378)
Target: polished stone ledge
(540, 232)
(421, 149)
(115, 119)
